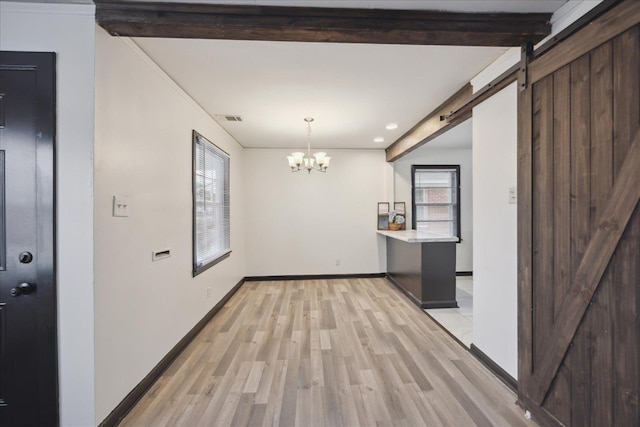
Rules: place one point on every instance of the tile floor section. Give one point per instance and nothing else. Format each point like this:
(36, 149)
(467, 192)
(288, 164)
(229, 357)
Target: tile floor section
(458, 321)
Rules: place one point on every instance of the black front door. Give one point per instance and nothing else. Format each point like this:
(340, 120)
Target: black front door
(28, 345)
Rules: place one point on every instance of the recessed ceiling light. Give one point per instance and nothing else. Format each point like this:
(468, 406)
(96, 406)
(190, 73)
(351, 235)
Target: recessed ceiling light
(392, 126)
(378, 139)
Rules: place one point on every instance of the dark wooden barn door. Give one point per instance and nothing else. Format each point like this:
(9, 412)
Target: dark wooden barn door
(579, 227)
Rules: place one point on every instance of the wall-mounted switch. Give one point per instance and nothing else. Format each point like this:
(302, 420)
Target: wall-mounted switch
(120, 206)
(513, 196)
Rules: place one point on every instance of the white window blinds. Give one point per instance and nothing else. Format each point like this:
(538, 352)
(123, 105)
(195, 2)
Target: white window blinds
(211, 228)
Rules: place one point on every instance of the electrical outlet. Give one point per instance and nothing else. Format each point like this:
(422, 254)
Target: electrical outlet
(120, 206)
(513, 198)
(337, 262)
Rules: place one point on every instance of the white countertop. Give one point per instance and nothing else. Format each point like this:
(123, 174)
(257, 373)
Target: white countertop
(414, 236)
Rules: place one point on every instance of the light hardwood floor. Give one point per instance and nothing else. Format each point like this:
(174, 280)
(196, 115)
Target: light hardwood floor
(351, 352)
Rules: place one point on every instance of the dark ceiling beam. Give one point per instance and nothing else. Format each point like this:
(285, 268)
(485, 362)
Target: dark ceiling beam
(460, 106)
(495, 86)
(309, 24)
(432, 126)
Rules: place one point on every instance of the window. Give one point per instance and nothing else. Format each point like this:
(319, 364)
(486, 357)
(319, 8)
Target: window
(436, 199)
(211, 230)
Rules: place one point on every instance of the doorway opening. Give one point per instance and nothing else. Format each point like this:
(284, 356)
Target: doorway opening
(453, 148)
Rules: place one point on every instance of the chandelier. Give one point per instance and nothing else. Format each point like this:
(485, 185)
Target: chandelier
(298, 161)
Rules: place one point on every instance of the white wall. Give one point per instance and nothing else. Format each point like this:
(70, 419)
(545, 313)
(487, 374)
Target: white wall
(495, 326)
(298, 224)
(68, 30)
(143, 150)
(438, 156)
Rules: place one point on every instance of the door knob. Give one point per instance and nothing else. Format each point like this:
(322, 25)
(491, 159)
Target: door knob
(22, 289)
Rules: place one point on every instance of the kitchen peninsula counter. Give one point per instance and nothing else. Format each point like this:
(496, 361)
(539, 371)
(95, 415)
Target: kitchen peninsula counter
(423, 266)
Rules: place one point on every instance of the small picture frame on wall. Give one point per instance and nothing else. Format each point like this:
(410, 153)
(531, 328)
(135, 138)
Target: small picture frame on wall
(400, 209)
(383, 215)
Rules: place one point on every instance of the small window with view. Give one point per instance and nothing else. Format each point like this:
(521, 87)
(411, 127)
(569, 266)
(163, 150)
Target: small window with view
(436, 199)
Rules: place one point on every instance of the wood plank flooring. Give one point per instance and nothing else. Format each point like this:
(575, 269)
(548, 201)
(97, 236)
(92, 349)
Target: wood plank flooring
(343, 352)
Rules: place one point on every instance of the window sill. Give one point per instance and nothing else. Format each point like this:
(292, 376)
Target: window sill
(209, 264)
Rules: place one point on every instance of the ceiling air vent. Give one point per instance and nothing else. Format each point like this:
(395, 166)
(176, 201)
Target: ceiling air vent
(228, 118)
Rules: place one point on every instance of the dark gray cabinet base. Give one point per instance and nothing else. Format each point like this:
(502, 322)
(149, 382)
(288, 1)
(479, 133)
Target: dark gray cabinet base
(425, 271)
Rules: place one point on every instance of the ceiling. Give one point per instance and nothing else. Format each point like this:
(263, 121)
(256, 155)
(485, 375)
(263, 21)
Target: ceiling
(457, 138)
(351, 90)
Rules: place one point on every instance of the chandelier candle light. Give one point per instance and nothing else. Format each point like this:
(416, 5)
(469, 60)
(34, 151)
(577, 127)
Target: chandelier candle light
(298, 161)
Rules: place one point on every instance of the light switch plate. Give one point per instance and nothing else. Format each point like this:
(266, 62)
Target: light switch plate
(120, 206)
(513, 197)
